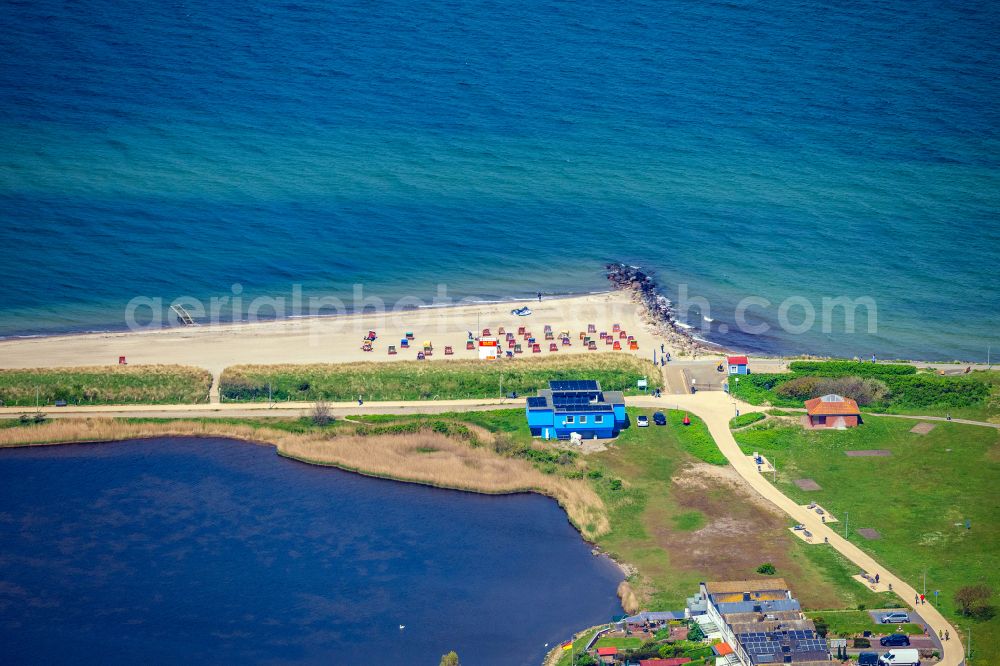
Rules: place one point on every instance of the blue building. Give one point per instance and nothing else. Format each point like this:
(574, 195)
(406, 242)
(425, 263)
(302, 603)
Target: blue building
(579, 406)
(738, 365)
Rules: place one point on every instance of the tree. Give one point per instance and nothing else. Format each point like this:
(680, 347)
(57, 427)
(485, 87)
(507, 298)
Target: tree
(450, 659)
(767, 569)
(321, 416)
(971, 599)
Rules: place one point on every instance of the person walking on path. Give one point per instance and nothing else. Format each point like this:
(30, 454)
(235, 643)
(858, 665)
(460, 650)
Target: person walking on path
(946, 635)
(876, 579)
(539, 297)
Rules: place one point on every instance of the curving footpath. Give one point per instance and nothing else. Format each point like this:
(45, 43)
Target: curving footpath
(716, 409)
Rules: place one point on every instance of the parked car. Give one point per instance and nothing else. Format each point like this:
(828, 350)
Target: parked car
(642, 421)
(895, 618)
(895, 640)
(868, 659)
(906, 657)
(659, 418)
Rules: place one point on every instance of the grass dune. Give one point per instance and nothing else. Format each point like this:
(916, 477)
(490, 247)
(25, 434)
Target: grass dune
(425, 457)
(421, 380)
(105, 385)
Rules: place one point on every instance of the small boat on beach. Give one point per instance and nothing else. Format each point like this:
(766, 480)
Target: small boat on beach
(521, 312)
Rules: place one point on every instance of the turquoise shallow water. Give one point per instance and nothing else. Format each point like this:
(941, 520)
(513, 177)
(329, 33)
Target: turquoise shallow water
(772, 150)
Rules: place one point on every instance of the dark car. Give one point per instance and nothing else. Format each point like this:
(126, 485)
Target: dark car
(895, 640)
(659, 418)
(867, 659)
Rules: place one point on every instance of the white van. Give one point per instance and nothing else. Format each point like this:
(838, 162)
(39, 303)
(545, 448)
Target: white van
(900, 657)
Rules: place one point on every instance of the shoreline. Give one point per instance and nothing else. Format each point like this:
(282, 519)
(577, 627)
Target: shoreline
(332, 338)
(245, 434)
(223, 324)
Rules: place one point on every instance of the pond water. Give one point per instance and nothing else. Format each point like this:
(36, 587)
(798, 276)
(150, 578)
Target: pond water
(216, 550)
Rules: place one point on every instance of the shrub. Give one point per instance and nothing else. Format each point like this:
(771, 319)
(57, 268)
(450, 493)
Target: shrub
(767, 569)
(320, 413)
(862, 643)
(971, 599)
(864, 391)
(855, 368)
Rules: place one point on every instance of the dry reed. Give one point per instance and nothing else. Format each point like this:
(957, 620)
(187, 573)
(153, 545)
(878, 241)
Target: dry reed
(424, 457)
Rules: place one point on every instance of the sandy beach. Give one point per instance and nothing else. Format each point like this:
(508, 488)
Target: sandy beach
(339, 339)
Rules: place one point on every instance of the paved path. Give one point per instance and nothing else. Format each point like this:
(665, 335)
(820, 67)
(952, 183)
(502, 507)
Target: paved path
(715, 408)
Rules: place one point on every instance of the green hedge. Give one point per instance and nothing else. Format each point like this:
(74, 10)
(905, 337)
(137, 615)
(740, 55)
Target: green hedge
(850, 368)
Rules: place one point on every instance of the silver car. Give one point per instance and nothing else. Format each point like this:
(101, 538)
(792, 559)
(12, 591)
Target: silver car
(895, 618)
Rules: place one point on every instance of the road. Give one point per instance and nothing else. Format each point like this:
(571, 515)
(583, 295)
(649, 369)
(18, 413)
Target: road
(714, 407)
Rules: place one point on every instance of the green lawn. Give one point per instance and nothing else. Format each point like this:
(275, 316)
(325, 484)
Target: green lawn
(630, 642)
(105, 385)
(845, 623)
(918, 499)
(428, 380)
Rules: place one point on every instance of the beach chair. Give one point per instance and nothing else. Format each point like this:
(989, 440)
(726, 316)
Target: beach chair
(536, 349)
(547, 328)
(531, 341)
(591, 328)
(510, 336)
(470, 345)
(392, 349)
(521, 330)
(518, 349)
(617, 346)
(501, 331)
(371, 335)
(486, 332)
(409, 335)
(404, 343)
(553, 347)
(510, 344)
(566, 342)
(366, 346)
(421, 356)
(582, 335)
(633, 345)
(622, 335)
(615, 328)
(510, 354)
(448, 351)
(427, 345)
(592, 346)
(608, 340)
(549, 335)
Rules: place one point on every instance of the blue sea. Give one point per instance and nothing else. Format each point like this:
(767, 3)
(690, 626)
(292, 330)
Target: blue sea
(775, 150)
(172, 551)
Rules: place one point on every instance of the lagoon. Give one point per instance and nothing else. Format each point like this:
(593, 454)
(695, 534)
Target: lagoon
(198, 550)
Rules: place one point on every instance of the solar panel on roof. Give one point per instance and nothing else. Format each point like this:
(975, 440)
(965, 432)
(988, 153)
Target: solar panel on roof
(574, 385)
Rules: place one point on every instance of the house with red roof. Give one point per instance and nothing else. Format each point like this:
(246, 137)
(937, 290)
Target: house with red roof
(832, 411)
(607, 655)
(738, 365)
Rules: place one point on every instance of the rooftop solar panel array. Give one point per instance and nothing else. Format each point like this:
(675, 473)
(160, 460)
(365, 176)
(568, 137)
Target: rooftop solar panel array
(574, 385)
(537, 402)
(771, 647)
